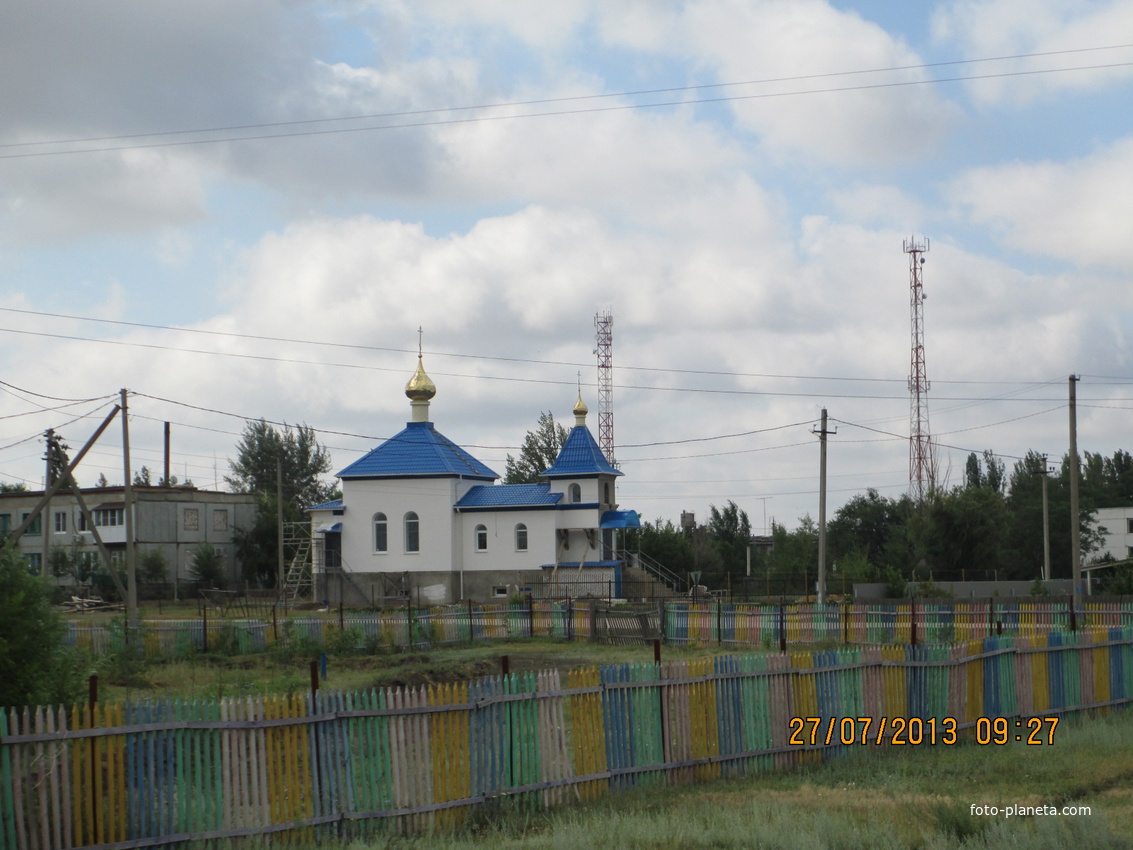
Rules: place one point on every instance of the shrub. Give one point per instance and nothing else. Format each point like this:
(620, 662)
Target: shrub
(125, 663)
(36, 667)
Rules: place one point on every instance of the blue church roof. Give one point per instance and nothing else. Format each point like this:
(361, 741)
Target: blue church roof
(419, 450)
(508, 495)
(580, 457)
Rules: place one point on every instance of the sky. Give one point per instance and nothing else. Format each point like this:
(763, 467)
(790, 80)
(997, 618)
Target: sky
(243, 209)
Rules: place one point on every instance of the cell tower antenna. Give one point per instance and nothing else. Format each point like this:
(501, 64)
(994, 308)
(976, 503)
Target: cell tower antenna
(922, 461)
(604, 324)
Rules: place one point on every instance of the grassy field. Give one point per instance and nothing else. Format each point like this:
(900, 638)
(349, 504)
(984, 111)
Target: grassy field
(895, 799)
(286, 669)
(915, 797)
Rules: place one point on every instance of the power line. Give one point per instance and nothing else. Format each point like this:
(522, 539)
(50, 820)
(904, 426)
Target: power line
(496, 358)
(551, 100)
(512, 379)
(555, 113)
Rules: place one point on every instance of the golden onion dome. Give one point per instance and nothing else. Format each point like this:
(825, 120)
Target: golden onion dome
(420, 386)
(580, 411)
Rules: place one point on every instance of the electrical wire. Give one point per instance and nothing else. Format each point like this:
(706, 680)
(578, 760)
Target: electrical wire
(477, 357)
(546, 114)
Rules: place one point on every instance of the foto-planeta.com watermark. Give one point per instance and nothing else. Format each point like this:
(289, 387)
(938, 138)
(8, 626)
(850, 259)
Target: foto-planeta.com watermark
(1014, 811)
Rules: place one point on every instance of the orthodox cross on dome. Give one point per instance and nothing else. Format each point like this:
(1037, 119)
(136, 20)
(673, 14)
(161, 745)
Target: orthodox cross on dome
(420, 388)
(580, 408)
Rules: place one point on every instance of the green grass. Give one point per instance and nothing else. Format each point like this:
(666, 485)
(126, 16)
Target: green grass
(215, 675)
(919, 797)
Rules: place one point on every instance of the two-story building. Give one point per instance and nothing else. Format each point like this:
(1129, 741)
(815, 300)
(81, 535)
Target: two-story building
(173, 521)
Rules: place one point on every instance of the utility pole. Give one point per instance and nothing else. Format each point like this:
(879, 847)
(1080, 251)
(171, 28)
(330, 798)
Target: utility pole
(128, 517)
(166, 478)
(1046, 520)
(279, 520)
(48, 480)
(822, 432)
(1075, 519)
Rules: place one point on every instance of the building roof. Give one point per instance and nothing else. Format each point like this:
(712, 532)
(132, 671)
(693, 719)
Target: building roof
(335, 505)
(508, 495)
(418, 451)
(580, 457)
(620, 519)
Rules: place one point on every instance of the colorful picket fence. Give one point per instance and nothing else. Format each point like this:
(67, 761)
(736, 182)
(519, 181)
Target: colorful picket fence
(940, 621)
(337, 764)
(933, 621)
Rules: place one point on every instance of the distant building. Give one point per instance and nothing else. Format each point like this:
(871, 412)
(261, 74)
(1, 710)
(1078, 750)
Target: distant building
(422, 518)
(174, 521)
(1116, 525)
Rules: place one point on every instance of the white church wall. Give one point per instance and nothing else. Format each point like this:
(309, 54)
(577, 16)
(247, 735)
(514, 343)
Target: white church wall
(430, 498)
(501, 552)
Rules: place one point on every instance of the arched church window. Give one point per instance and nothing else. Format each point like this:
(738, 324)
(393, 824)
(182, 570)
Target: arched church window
(381, 533)
(521, 538)
(481, 538)
(412, 532)
(575, 493)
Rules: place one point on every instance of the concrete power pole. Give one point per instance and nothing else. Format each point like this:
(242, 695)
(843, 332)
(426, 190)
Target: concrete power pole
(128, 517)
(1075, 519)
(822, 433)
(1046, 521)
(49, 436)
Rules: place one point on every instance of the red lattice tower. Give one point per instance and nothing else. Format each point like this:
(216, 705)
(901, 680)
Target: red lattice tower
(604, 323)
(922, 464)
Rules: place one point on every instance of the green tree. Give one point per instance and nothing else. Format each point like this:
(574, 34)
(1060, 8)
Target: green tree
(538, 453)
(961, 530)
(207, 567)
(152, 567)
(298, 454)
(793, 563)
(730, 531)
(143, 478)
(18, 487)
(70, 562)
(870, 535)
(35, 665)
(257, 547)
(664, 543)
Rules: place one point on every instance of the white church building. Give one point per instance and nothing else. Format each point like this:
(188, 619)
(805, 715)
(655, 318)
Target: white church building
(422, 519)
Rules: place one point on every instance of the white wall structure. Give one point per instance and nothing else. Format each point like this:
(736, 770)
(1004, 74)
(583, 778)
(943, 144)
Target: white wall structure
(422, 518)
(1118, 532)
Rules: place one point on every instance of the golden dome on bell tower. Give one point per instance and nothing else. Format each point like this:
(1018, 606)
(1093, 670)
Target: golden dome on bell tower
(420, 388)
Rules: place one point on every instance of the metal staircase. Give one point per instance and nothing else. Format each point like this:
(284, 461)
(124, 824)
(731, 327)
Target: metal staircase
(658, 571)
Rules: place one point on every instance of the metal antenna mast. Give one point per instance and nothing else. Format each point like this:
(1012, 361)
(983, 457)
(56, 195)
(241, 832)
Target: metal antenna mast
(922, 464)
(604, 323)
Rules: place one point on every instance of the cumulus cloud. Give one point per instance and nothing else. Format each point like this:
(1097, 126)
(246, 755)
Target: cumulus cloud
(781, 39)
(1076, 211)
(996, 28)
